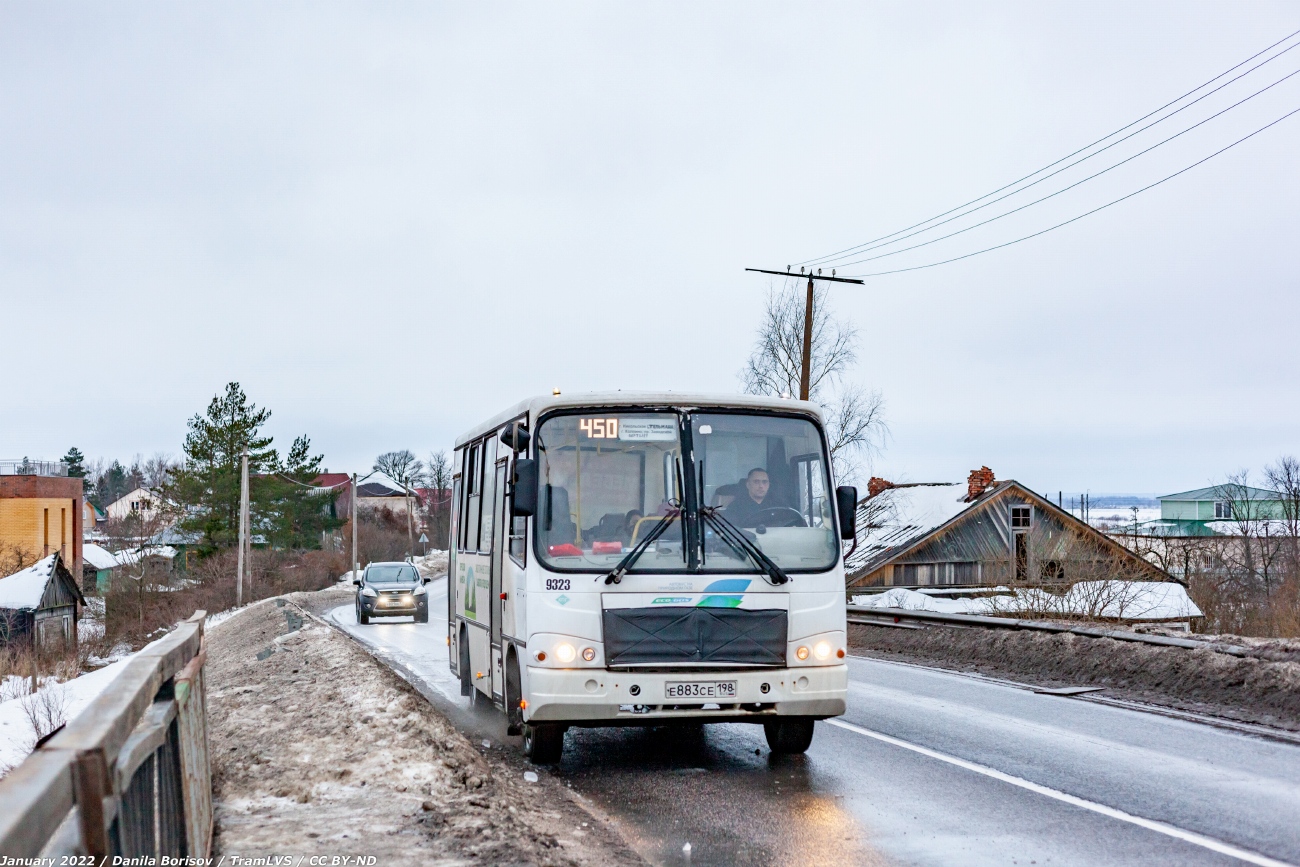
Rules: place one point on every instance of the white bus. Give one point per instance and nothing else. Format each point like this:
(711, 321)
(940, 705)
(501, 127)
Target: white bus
(644, 559)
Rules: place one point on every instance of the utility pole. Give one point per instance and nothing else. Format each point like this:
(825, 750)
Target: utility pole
(805, 372)
(355, 566)
(243, 528)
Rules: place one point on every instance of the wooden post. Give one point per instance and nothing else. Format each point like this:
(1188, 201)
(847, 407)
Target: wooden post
(805, 372)
(243, 528)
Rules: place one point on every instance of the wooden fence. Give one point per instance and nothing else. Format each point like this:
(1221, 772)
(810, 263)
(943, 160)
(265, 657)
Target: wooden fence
(130, 775)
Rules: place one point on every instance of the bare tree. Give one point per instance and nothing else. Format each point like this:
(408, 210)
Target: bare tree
(408, 471)
(438, 475)
(157, 471)
(1284, 478)
(46, 710)
(855, 417)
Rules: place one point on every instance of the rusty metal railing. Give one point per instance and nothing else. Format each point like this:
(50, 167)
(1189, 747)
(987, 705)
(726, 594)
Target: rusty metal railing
(130, 775)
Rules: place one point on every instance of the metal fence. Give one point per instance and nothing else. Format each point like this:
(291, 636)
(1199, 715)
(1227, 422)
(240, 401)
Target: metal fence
(33, 468)
(130, 775)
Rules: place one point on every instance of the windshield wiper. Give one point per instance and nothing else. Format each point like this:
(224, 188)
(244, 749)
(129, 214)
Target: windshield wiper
(616, 576)
(730, 534)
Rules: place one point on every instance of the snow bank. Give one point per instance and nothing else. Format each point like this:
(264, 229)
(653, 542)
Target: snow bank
(16, 735)
(1123, 600)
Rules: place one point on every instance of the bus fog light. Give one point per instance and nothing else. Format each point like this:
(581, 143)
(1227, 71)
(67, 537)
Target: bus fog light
(822, 650)
(802, 653)
(589, 653)
(564, 652)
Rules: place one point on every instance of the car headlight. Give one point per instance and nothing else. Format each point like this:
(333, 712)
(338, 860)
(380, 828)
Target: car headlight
(369, 591)
(419, 591)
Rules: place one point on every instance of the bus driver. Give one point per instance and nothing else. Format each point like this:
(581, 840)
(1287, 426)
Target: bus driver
(745, 509)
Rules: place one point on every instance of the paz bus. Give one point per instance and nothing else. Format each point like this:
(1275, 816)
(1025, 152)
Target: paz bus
(649, 559)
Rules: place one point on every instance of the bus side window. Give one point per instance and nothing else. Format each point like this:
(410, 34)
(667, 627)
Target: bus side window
(473, 481)
(518, 531)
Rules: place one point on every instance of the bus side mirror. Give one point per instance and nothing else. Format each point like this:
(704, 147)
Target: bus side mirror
(846, 503)
(516, 436)
(523, 502)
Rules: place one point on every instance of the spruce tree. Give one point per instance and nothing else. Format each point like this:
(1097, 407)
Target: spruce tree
(299, 512)
(206, 486)
(76, 462)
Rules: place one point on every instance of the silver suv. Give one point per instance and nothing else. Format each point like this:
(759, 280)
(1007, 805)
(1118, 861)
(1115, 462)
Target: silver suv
(391, 590)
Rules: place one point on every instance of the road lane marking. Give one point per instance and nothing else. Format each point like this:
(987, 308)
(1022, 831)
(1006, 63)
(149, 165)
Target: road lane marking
(1150, 824)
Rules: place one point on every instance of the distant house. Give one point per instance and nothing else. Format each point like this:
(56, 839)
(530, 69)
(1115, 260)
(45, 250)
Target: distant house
(983, 533)
(97, 567)
(93, 518)
(1222, 502)
(138, 501)
(39, 606)
(378, 495)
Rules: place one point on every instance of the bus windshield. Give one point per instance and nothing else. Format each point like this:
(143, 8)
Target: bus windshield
(610, 478)
(607, 480)
(767, 476)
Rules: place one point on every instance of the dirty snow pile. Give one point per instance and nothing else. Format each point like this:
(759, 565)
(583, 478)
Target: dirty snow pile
(1126, 600)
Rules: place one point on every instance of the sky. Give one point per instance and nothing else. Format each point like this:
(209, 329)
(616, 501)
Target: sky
(391, 221)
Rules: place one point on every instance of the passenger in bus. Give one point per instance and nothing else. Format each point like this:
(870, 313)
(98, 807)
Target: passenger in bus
(744, 510)
(629, 525)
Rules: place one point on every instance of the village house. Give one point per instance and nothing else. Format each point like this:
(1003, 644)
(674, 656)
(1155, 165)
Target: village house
(140, 501)
(98, 565)
(39, 606)
(983, 533)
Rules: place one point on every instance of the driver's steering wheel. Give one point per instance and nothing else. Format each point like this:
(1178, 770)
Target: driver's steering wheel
(779, 516)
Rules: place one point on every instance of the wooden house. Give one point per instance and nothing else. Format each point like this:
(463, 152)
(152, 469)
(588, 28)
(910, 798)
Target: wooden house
(983, 533)
(39, 606)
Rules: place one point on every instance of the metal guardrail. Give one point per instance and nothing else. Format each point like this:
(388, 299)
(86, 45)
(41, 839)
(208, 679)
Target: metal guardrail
(870, 616)
(130, 775)
(33, 468)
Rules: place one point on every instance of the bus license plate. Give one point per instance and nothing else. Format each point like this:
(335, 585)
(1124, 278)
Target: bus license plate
(704, 689)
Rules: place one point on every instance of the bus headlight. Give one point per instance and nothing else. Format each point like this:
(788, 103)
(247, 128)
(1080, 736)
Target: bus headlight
(589, 653)
(822, 650)
(564, 652)
(802, 653)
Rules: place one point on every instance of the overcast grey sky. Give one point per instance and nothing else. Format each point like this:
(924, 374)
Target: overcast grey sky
(388, 221)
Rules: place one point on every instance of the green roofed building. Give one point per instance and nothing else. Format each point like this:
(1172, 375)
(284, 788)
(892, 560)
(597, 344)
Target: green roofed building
(1222, 503)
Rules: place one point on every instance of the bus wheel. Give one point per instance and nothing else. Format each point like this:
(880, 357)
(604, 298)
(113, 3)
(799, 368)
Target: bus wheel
(514, 692)
(786, 736)
(466, 679)
(543, 743)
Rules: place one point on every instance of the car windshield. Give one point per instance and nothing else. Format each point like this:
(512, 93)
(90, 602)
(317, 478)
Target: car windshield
(391, 573)
(607, 480)
(767, 476)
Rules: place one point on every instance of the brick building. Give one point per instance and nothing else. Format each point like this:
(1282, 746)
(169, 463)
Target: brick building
(41, 515)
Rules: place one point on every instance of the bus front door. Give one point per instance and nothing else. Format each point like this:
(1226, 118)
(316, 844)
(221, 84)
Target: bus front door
(494, 589)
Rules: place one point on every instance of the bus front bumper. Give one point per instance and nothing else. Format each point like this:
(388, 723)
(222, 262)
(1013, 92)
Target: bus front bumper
(600, 697)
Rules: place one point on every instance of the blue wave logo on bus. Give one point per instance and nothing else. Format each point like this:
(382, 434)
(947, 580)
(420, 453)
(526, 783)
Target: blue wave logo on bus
(726, 593)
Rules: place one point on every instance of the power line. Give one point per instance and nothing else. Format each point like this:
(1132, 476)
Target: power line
(1067, 156)
(1063, 189)
(871, 245)
(1088, 213)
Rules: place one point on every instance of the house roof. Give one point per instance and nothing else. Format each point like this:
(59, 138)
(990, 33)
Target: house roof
(903, 516)
(1221, 492)
(897, 517)
(377, 489)
(127, 558)
(24, 589)
(330, 480)
(98, 556)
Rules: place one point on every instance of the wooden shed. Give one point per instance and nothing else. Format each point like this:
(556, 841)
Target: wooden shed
(982, 533)
(39, 606)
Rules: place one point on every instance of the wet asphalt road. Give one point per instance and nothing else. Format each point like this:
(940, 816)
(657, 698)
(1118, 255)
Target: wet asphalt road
(926, 767)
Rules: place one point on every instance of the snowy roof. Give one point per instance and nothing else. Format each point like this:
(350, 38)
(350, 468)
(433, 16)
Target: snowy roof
(98, 556)
(126, 558)
(24, 589)
(896, 517)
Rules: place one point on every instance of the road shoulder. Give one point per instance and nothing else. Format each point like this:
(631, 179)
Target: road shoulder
(318, 749)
